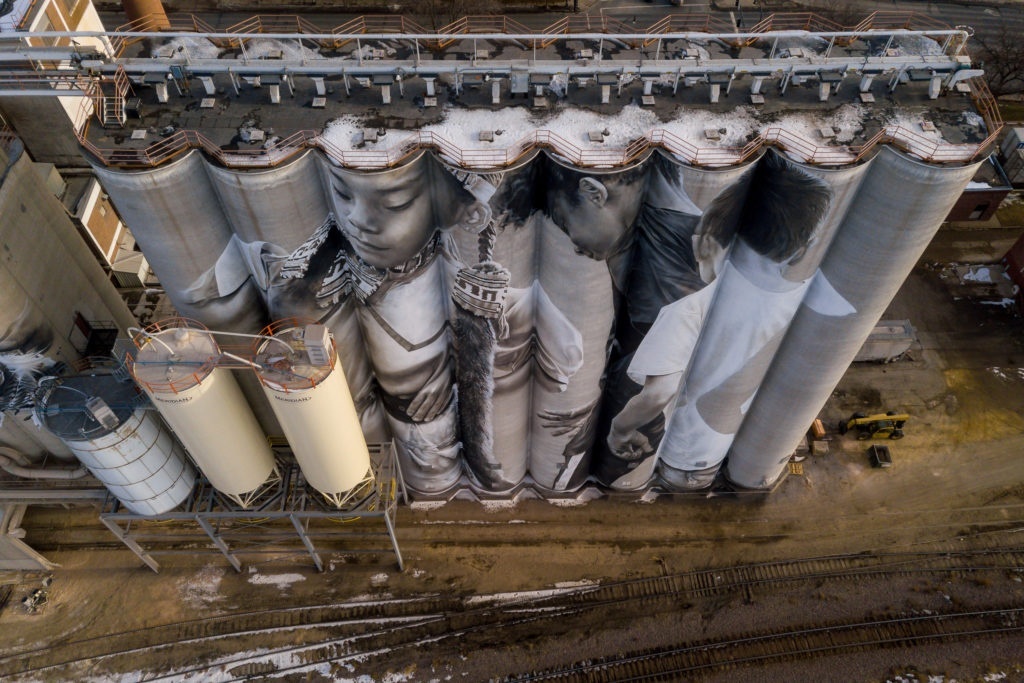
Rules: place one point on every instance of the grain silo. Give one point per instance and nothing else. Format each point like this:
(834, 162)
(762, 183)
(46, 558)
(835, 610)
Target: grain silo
(874, 250)
(103, 420)
(177, 367)
(303, 380)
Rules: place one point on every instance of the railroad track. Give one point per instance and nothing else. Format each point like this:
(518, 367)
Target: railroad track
(338, 632)
(668, 663)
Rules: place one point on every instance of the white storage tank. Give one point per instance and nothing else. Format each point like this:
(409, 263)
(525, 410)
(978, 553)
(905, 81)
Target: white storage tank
(122, 443)
(177, 367)
(304, 382)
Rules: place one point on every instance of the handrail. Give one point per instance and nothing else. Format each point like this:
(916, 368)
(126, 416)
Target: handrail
(929, 149)
(989, 109)
(561, 27)
(29, 12)
(875, 140)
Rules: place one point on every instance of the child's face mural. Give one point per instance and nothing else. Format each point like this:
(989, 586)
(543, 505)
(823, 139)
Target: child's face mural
(387, 217)
(596, 213)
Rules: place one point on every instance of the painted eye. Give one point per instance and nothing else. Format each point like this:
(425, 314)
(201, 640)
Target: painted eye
(401, 207)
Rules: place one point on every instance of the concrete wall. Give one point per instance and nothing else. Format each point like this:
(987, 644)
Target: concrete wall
(47, 275)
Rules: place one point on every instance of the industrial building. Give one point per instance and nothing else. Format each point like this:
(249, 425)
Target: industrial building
(486, 260)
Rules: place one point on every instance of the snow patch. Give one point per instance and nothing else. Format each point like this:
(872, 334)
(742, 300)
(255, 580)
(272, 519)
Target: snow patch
(567, 502)
(982, 274)
(192, 48)
(568, 130)
(203, 588)
(973, 119)
(521, 596)
(282, 581)
(498, 505)
(422, 505)
(809, 44)
(263, 48)
(1005, 302)
(916, 45)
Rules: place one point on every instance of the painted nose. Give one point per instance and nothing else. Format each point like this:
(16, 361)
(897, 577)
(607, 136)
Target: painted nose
(359, 218)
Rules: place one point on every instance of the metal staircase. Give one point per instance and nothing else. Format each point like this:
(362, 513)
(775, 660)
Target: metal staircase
(111, 97)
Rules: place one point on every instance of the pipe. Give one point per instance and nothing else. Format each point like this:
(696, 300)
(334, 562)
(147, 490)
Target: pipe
(138, 331)
(13, 462)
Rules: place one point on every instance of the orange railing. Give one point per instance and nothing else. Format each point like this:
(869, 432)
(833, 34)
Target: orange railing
(183, 382)
(563, 27)
(178, 143)
(683, 23)
(904, 20)
(28, 13)
(987, 106)
(927, 148)
(289, 380)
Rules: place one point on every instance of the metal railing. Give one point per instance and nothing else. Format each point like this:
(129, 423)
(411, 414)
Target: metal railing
(927, 148)
(169, 148)
(183, 382)
(563, 27)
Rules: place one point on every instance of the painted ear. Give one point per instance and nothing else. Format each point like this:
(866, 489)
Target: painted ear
(594, 191)
(475, 217)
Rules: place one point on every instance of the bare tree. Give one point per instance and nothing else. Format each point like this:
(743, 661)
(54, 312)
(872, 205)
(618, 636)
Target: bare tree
(1002, 57)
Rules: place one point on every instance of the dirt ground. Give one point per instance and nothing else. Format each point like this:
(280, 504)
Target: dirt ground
(959, 471)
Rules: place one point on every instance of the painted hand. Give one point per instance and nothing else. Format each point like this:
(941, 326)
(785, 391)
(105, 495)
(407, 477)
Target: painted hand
(562, 422)
(431, 399)
(630, 446)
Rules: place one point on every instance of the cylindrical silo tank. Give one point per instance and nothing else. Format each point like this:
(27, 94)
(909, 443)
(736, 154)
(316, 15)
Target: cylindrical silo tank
(663, 269)
(178, 222)
(18, 392)
(773, 259)
(280, 206)
(103, 421)
(494, 421)
(304, 382)
(898, 207)
(177, 367)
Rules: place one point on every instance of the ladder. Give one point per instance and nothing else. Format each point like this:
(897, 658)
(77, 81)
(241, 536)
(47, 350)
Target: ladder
(111, 98)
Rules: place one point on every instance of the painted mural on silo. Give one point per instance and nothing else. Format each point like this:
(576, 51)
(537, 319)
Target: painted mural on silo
(384, 260)
(177, 220)
(507, 334)
(665, 267)
(540, 325)
(273, 214)
(898, 207)
(25, 335)
(584, 250)
(757, 247)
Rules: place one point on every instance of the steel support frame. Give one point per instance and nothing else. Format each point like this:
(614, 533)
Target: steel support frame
(230, 528)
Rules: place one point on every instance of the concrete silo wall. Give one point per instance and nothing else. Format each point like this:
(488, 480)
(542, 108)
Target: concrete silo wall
(176, 218)
(496, 391)
(49, 280)
(550, 324)
(775, 244)
(663, 269)
(265, 205)
(898, 208)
